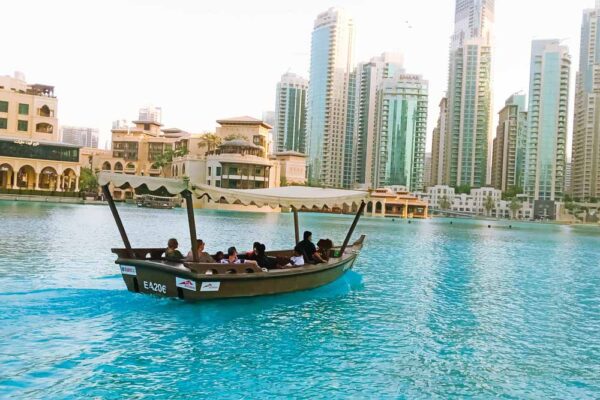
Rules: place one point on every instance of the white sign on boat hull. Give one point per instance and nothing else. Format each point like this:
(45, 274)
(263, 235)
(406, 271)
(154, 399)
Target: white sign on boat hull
(185, 283)
(210, 286)
(128, 270)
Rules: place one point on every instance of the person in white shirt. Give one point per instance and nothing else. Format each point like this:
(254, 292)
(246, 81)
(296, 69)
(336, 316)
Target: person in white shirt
(232, 257)
(296, 260)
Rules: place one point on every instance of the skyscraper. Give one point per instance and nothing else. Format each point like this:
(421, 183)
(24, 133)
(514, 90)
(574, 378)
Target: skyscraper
(366, 82)
(547, 120)
(469, 94)
(80, 136)
(330, 67)
(585, 156)
(508, 156)
(150, 114)
(290, 113)
(438, 146)
(401, 132)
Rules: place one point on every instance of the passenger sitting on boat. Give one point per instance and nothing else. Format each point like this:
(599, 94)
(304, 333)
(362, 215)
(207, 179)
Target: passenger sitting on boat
(251, 255)
(309, 250)
(232, 257)
(203, 256)
(172, 254)
(263, 260)
(297, 260)
(219, 256)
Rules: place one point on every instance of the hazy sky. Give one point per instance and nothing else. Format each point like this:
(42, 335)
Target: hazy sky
(204, 60)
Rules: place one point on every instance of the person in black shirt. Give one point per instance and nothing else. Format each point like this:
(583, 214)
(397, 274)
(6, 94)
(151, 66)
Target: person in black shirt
(308, 249)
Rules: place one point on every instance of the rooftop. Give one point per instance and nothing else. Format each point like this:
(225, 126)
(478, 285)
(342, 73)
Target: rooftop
(243, 120)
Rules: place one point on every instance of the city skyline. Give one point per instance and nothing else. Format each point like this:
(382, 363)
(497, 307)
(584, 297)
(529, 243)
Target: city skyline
(175, 68)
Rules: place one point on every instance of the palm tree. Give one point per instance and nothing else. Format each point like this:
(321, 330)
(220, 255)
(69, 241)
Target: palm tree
(210, 141)
(515, 205)
(489, 205)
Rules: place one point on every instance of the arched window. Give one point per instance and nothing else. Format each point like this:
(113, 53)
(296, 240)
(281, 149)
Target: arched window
(118, 166)
(183, 169)
(45, 111)
(106, 166)
(43, 127)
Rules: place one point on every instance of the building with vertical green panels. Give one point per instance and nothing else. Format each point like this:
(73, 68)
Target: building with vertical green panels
(401, 132)
(547, 120)
(469, 94)
(290, 114)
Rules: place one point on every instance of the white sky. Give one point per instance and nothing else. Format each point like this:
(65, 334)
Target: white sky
(204, 60)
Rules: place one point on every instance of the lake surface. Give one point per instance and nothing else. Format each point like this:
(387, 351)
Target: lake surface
(431, 310)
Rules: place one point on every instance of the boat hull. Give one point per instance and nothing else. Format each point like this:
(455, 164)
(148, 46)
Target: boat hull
(173, 280)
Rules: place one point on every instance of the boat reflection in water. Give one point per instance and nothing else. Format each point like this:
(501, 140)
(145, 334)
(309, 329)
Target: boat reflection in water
(144, 270)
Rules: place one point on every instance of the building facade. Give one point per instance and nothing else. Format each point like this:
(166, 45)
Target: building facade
(508, 156)
(80, 136)
(438, 145)
(401, 132)
(469, 94)
(366, 82)
(31, 155)
(290, 114)
(585, 182)
(330, 66)
(547, 120)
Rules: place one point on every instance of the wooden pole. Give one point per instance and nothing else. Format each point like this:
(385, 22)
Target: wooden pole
(296, 228)
(115, 213)
(351, 231)
(192, 222)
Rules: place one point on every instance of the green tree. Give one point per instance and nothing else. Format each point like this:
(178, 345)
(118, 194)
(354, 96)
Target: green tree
(489, 205)
(512, 192)
(167, 157)
(514, 206)
(466, 188)
(210, 141)
(444, 203)
(88, 182)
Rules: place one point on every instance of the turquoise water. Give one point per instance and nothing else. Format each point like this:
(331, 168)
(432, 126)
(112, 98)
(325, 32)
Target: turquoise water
(431, 310)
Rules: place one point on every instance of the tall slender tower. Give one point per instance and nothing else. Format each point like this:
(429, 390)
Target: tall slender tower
(367, 80)
(547, 120)
(290, 113)
(508, 158)
(438, 146)
(585, 173)
(401, 131)
(330, 67)
(469, 94)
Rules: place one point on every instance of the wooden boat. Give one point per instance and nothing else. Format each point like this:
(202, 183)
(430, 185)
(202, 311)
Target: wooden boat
(144, 270)
(160, 202)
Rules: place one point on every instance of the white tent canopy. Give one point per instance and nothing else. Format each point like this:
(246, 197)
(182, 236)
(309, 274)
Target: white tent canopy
(173, 186)
(289, 196)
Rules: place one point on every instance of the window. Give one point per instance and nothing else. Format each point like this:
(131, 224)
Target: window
(218, 171)
(209, 171)
(3, 106)
(23, 109)
(3, 123)
(22, 126)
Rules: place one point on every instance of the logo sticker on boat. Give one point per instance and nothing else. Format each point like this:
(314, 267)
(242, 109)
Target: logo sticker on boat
(210, 286)
(128, 270)
(185, 283)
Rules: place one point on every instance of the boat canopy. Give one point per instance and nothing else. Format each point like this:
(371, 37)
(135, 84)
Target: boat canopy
(289, 196)
(173, 186)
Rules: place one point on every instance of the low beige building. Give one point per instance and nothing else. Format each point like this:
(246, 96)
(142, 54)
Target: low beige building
(31, 156)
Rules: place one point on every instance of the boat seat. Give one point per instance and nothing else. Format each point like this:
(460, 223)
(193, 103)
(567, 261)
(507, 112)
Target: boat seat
(222, 269)
(141, 253)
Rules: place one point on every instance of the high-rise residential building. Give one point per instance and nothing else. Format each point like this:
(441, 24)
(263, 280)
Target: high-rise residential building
(366, 82)
(568, 177)
(268, 118)
(508, 156)
(547, 120)
(290, 114)
(150, 114)
(401, 132)
(469, 94)
(427, 171)
(438, 146)
(330, 66)
(80, 136)
(585, 154)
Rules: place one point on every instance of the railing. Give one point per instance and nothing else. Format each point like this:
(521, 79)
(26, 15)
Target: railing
(33, 192)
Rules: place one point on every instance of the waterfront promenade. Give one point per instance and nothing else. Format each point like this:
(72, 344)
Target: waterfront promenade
(430, 310)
